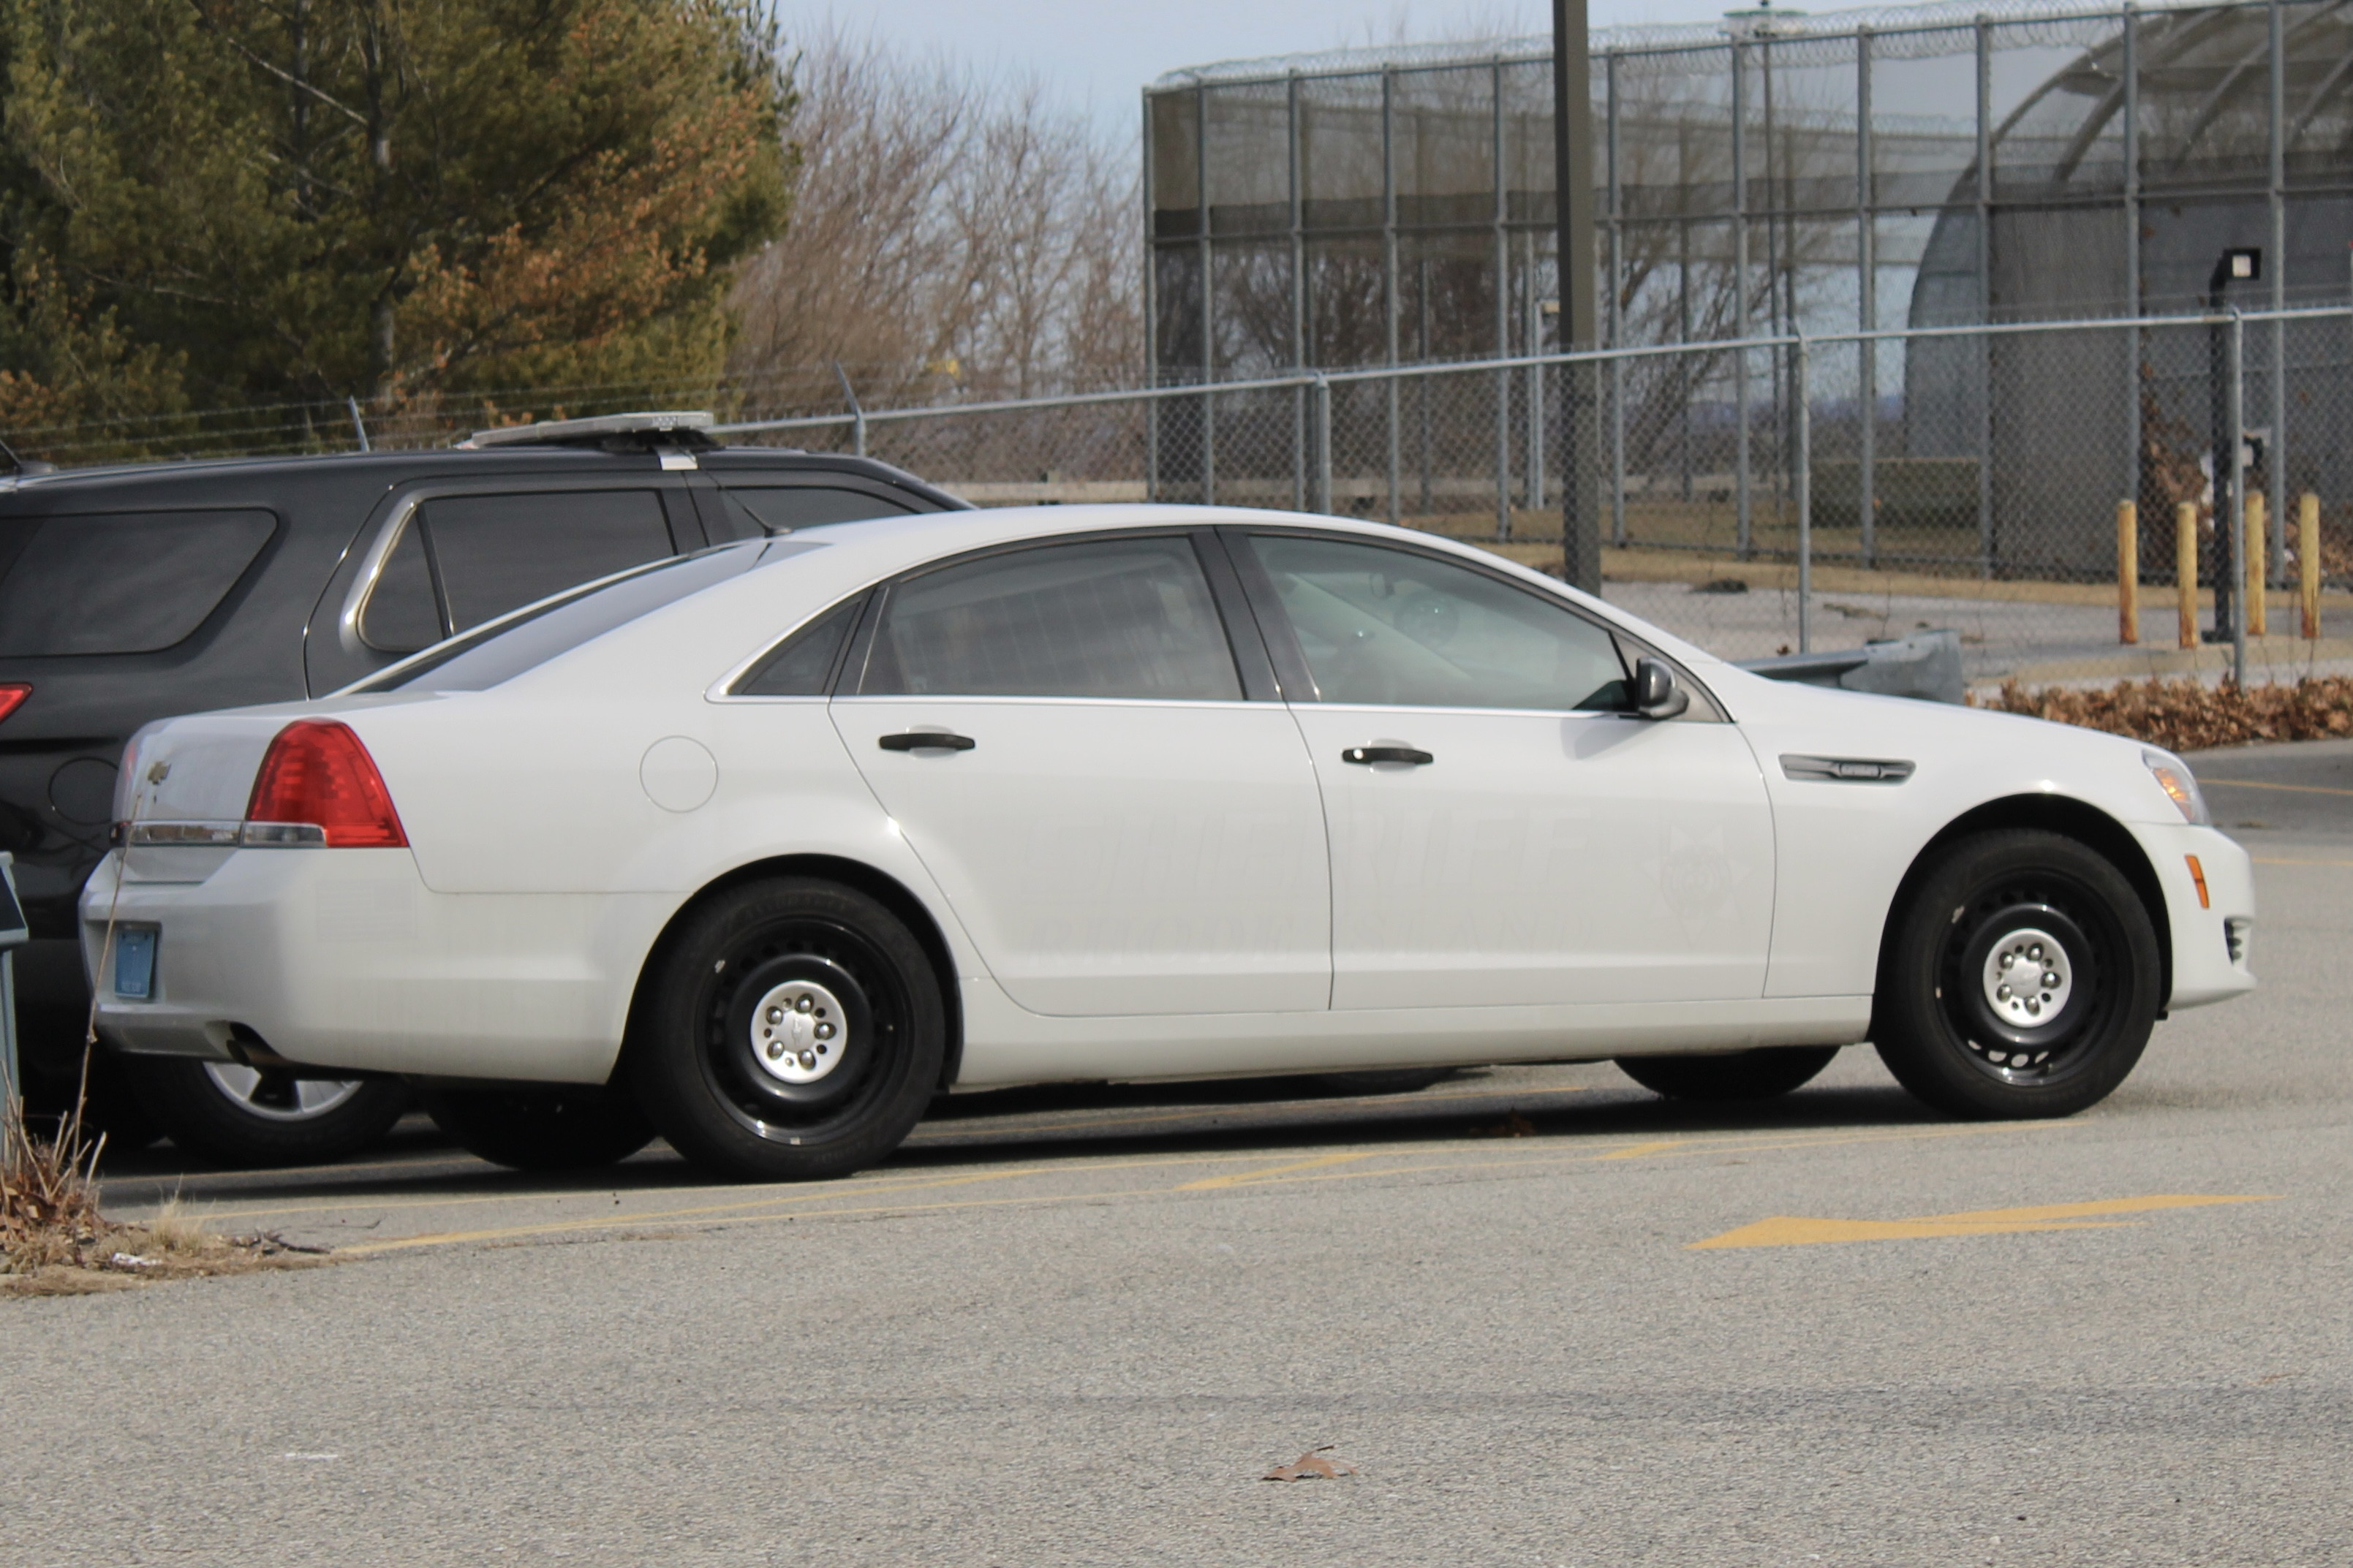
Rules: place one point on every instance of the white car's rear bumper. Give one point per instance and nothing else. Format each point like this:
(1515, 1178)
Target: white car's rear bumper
(343, 958)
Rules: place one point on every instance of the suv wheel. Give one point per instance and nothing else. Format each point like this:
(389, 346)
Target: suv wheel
(1732, 1077)
(242, 1118)
(563, 1127)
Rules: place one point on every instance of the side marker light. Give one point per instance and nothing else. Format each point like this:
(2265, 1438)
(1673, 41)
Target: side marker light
(2198, 875)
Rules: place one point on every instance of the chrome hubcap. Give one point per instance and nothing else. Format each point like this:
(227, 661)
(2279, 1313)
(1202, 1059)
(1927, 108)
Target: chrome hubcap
(2028, 978)
(275, 1096)
(799, 1031)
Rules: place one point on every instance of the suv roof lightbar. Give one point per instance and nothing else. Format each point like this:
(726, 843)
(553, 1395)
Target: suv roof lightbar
(611, 432)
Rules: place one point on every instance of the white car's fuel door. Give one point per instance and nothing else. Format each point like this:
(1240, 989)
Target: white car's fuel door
(1062, 735)
(1501, 830)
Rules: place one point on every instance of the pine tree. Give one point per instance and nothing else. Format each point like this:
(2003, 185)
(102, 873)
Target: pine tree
(207, 203)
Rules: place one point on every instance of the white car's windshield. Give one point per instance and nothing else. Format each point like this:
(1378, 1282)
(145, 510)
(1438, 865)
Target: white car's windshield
(504, 648)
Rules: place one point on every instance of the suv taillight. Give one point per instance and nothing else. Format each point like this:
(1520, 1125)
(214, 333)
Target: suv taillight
(12, 696)
(317, 775)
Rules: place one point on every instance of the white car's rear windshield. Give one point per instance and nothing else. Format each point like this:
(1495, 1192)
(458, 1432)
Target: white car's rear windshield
(529, 637)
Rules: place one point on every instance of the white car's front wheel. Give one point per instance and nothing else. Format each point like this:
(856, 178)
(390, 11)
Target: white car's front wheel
(2022, 981)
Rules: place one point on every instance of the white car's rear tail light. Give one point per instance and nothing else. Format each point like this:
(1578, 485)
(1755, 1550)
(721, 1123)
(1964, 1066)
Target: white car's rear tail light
(318, 787)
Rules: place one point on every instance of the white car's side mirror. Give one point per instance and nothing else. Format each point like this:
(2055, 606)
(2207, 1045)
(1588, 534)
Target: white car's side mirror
(1656, 695)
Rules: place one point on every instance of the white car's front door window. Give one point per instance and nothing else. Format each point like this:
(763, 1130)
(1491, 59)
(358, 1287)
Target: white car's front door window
(1119, 831)
(1501, 832)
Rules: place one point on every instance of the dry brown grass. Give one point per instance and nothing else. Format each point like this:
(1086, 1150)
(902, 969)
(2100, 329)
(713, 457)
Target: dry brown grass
(2189, 716)
(55, 1240)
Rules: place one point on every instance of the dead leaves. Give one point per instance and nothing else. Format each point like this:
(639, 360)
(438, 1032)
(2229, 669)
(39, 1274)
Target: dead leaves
(1312, 1466)
(2189, 716)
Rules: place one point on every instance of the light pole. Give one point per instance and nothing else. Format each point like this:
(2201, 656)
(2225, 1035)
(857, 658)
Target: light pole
(1572, 151)
(2237, 264)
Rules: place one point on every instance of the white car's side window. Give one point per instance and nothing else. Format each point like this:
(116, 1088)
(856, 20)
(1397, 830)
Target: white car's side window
(1396, 628)
(1104, 618)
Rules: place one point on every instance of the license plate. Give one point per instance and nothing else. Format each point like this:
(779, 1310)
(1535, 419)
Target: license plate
(135, 964)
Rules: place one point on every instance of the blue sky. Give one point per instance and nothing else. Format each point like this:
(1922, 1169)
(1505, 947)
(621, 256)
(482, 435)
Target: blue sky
(1098, 53)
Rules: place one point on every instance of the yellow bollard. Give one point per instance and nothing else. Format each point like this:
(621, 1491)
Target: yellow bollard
(2185, 568)
(2307, 559)
(2127, 573)
(2258, 565)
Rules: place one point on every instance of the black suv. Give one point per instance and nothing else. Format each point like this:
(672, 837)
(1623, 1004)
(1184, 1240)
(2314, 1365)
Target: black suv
(133, 593)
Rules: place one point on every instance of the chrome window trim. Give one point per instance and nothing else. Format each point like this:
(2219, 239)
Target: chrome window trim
(362, 589)
(395, 523)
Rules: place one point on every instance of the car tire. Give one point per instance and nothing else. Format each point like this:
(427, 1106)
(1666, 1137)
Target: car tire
(1732, 1077)
(1384, 1080)
(564, 1127)
(2021, 980)
(246, 1120)
(110, 1106)
(788, 1030)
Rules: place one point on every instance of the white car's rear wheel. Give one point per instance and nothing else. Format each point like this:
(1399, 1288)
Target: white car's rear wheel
(2023, 981)
(1730, 1077)
(789, 1030)
(243, 1118)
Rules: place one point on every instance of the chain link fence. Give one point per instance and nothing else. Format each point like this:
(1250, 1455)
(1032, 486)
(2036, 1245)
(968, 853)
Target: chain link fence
(1787, 494)
(1774, 494)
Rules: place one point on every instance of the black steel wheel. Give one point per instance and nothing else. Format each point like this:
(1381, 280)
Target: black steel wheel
(562, 1127)
(788, 1030)
(1732, 1077)
(2022, 980)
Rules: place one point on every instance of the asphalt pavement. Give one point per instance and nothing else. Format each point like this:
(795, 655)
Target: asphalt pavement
(1541, 1316)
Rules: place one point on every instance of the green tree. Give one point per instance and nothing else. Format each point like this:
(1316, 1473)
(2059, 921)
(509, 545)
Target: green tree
(204, 203)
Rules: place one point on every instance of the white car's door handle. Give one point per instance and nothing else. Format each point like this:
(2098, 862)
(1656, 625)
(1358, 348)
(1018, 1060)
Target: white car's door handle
(1369, 754)
(928, 740)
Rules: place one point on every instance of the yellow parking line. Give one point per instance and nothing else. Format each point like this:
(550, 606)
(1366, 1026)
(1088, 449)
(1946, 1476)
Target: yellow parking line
(2260, 783)
(1792, 1230)
(1658, 1146)
(1238, 1178)
(840, 1199)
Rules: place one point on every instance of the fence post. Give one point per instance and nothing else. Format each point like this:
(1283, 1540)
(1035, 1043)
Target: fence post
(1322, 445)
(2259, 562)
(1209, 444)
(2127, 573)
(1503, 454)
(2238, 459)
(2185, 568)
(2307, 559)
(856, 414)
(1800, 365)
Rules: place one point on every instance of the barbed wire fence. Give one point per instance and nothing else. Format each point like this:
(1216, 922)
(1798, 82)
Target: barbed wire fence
(1755, 496)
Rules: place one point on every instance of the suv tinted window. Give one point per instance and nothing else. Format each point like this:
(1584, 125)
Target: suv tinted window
(495, 553)
(1115, 618)
(498, 654)
(1394, 628)
(489, 554)
(119, 581)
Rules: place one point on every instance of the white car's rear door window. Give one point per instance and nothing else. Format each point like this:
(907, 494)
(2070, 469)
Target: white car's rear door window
(1060, 733)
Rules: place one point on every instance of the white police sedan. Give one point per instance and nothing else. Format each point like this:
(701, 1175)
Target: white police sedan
(761, 847)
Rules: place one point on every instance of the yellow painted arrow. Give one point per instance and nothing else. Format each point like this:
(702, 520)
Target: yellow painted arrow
(1788, 1230)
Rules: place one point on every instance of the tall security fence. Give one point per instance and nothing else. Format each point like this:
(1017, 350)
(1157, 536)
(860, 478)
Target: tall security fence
(1770, 172)
(1756, 497)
